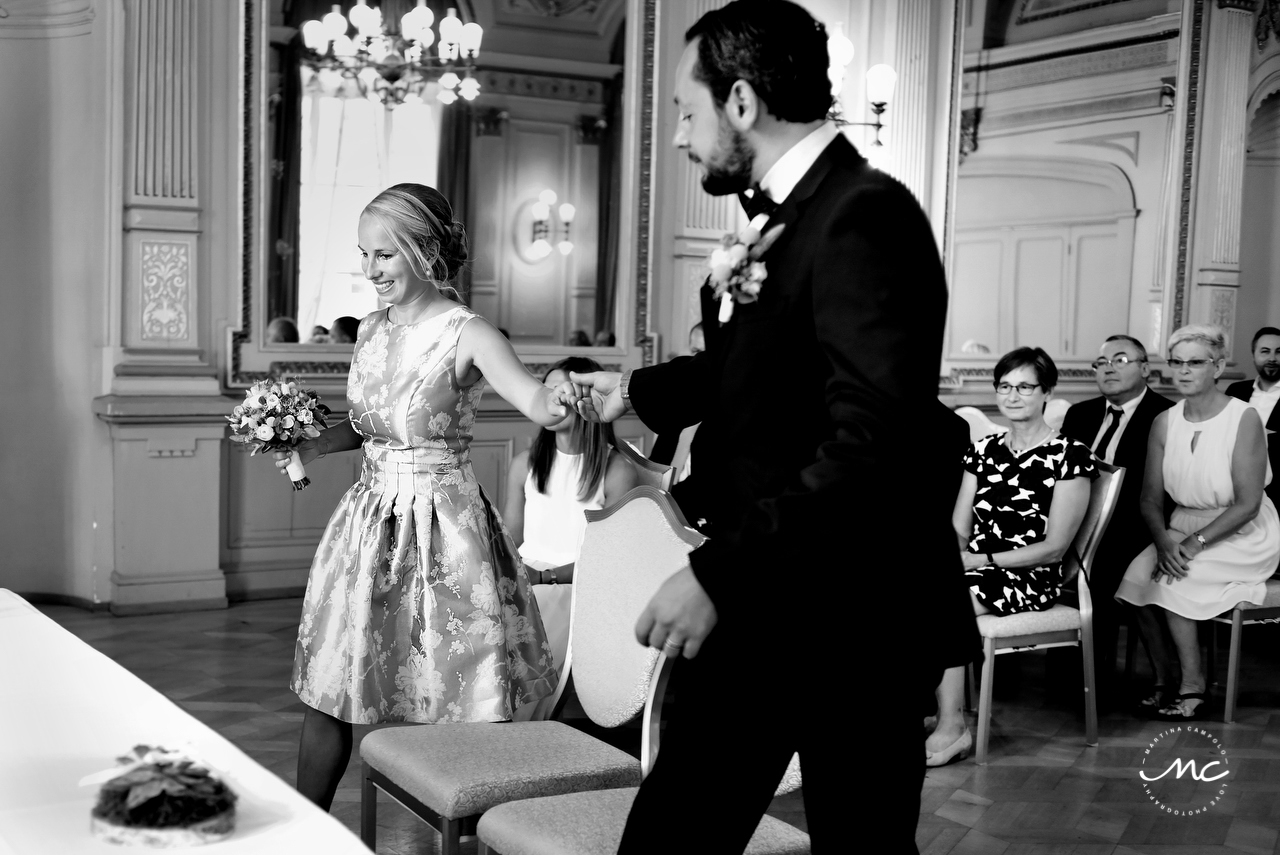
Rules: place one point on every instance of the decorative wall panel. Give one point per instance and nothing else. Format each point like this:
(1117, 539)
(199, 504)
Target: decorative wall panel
(166, 290)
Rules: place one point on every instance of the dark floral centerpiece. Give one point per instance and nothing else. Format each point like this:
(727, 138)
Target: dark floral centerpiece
(163, 798)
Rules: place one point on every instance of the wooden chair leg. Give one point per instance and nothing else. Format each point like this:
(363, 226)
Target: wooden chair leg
(450, 836)
(1090, 688)
(1130, 651)
(368, 810)
(1233, 665)
(984, 698)
(970, 683)
(1211, 669)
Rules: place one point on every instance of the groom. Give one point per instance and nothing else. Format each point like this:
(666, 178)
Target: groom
(829, 597)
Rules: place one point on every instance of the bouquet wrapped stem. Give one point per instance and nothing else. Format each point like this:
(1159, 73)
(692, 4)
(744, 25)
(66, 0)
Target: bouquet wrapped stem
(278, 416)
(297, 472)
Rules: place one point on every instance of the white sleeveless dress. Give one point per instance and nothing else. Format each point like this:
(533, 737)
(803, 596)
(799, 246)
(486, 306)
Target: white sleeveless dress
(553, 526)
(1230, 571)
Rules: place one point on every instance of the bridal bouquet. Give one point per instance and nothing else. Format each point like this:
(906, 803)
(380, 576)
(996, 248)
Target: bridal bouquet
(275, 416)
(736, 269)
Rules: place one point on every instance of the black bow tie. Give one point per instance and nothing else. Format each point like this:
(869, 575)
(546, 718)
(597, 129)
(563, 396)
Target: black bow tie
(757, 203)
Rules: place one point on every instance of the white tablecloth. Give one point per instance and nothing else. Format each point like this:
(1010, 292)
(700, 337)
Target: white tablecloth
(67, 711)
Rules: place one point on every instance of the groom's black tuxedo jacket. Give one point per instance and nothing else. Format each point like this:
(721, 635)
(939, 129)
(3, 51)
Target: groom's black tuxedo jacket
(1126, 534)
(820, 467)
(1243, 389)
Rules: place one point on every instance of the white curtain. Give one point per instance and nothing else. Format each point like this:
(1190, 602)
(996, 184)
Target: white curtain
(352, 149)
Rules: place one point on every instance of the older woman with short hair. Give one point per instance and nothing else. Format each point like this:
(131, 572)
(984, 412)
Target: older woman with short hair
(1209, 452)
(1022, 499)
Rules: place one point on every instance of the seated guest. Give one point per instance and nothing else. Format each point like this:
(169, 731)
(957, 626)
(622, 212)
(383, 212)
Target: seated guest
(319, 335)
(1021, 501)
(1115, 426)
(344, 330)
(1223, 540)
(579, 338)
(282, 330)
(570, 468)
(604, 338)
(1262, 395)
(697, 341)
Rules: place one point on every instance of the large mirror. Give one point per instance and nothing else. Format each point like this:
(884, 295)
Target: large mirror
(1068, 187)
(533, 164)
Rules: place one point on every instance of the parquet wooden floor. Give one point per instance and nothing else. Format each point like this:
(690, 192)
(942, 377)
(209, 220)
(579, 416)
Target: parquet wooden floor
(1043, 791)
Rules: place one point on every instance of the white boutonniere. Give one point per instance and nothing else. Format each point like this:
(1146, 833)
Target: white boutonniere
(736, 269)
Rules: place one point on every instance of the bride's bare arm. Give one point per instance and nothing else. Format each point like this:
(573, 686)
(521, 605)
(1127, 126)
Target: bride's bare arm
(482, 350)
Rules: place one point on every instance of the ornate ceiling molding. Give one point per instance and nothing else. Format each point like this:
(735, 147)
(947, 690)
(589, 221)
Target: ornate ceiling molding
(1268, 25)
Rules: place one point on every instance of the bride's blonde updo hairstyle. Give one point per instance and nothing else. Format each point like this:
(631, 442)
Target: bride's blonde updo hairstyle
(421, 225)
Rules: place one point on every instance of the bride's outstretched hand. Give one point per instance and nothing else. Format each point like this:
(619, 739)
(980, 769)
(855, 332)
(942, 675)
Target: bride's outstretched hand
(600, 399)
(563, 401)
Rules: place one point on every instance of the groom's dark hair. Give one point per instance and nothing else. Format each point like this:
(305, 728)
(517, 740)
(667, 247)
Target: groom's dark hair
(774, 45)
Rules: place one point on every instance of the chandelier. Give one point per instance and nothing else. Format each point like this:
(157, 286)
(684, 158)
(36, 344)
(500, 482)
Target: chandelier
(393, 63)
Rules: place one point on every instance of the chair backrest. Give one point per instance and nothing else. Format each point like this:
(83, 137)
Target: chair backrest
(652, 474)
(1103, 495)
(979, 424)
(1055, 410)
(628, 551)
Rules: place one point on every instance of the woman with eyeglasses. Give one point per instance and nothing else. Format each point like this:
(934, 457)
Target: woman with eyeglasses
(1022, 499)
(1209, 452)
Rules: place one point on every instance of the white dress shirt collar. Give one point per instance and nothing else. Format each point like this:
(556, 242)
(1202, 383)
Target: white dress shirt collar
(786, 173)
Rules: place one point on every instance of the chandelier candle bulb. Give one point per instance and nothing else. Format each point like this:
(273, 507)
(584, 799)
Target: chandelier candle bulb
(565, 247)
(567, 213)
(314, 36)
(449, 80)
(547, 197)
(471, 35)
(451, 28)
(334, 24)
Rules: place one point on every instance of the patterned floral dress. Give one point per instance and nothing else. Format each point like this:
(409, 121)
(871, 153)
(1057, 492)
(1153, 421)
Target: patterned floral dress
(1011, 509)
(416, 607)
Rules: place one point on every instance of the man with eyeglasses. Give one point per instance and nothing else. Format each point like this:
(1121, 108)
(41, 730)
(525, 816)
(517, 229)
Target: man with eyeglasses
(1262, 394)
(1115, 426)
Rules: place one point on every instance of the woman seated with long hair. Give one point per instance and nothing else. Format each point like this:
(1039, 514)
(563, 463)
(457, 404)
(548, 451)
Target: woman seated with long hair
(1023, 496)
(570, 468)
(1209, 452)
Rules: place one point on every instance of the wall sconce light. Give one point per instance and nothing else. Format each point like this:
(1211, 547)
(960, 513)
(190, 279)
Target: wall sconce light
(543, 229)
(881, 80)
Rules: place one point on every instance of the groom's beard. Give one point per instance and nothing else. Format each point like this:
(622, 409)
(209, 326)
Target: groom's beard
(1269, 371)
(731, 172)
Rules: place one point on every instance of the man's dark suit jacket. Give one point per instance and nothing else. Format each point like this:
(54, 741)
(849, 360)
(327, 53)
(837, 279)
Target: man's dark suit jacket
(818, 454)
(1243, 389)
(1126, 534)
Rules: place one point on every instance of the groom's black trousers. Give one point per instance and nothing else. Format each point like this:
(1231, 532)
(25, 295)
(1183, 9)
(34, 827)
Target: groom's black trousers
(755, 696)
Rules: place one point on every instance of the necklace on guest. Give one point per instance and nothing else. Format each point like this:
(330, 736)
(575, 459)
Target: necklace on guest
(1009, 441)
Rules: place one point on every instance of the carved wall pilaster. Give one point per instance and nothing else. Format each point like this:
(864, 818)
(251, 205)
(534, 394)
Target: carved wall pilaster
(1219, 183)
(909, 132)
(162, 322)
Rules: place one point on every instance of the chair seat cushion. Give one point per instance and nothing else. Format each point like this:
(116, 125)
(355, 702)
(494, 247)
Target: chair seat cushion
(462, 770)
(592, 824)
(1270, 601)
(1055, 619)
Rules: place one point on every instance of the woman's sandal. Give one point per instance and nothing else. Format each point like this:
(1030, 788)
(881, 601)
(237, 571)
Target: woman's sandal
(1178, 711)
(1154, 702)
